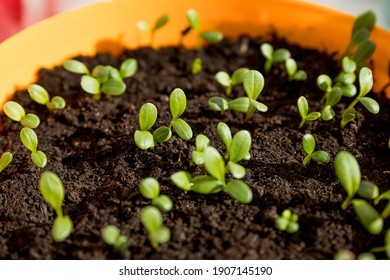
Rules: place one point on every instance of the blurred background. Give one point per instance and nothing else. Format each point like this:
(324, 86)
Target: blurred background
(18, 14)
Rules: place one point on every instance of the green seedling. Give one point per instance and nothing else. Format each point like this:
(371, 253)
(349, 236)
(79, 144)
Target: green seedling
(229, 82)
(147, 117)
(292, 71)
(201, 143)
(332, 99)
(346, 78)
(273, 56)
(309, 144)
(210, 36)
(386, 247)
(288, 222)
(303, 108)
(15, 112)
(177, 105)
(160, 22)
(150, 189)
(365, 82)
(151, 219)
(30, 141)
(111, 235)
(5, 160)
(103, 79)
(215, 181)
(368, 216)
(349, 255)
(196, 66)
(40, 95)
(53, 192)
(384, 196)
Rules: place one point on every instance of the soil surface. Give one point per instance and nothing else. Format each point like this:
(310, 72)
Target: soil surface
(90, 146)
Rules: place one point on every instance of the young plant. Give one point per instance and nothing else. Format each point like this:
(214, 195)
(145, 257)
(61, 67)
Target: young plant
(303, 108)
(288, 222)
(384, 196)
(5, 160)
(15, 112)
(150, 189)
(347, 77)
(30, 141)
(160, 22)
(151, 219)
(111, 235)
(103, 79)
(309, 144)
(53, 192)
(229, 82)
(365, 82)
(40, 95)
(273, 56)
(196, 66)
(201, 143)
(332, 99)
(292, 71)
(177, 106)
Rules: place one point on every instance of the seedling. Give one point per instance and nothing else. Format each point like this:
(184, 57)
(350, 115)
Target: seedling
(150, 189)
(347, 77)
(177, 105)
(147, 117)
(386, 247)
(273, 56)
(196, 66)
(40, 95)
(332, 99)
(160, 22)
(5, 160)
(292, 71)
(201, 143)
(53, 192)
(303, 108)
(365, 82)
(229, 82)
(103, 79)
(288, 222)
(210, 36)
(15, 112)
(384, 196)
(111, 235)
(30, 141)
(309, 144)
(368, 216)
(151, 219)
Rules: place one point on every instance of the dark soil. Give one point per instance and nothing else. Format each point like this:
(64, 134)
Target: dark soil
(90, 146)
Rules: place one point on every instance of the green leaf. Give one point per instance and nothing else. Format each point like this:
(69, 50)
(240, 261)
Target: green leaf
(90, 84)
(359, 37)
(368, 190)
(368, 216)
(327, 113)
(236, 170)
(57, 102)
(128, 68)
(52, 190)
(149, 188)
(218, 103)
(29, 139)
(162, 235)
(349, 66)
(366, 256)
(147, 116)
(324, 82)
(182, 129)
(240, 146)
(253, 84)
(198, 157)
(291, 66)
(371, 105)
(14, 111)
(114, 74)
(182, 179)
(151, 218)
(122, 243)
(142, 25)
(292, 227)
(39, 159)
(225, 134)
(344, 255)
(214, 164)
(308, 143)
(334, 96)
(163, 202)
(320, 156)
(348, 90)
(161, 21)
(363, 53)
(348, 116)
(177, 103)
(223, 78)
(110, 234)
(201, 142)
(300, 75)
(193, 19)
(143, 139)
(5, 160)
(303, 106)
(212, 37)
(267, 51)
(76, 66)
(238, 76)
(196, 66)
(162, 134)
(38, 94)
(365, 20)
(206, 185)
(281, 223)
(114, 87)
(281, 55)
(62, 228)
(240, 104)
(30, 121)
(101, 73)
(261, 107)
(239, 191)
(313, 116)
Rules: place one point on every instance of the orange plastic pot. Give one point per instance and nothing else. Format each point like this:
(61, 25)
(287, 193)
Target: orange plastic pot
(111, 26)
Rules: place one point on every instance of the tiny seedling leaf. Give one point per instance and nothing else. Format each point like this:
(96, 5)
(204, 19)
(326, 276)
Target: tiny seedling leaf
(225, 134)
(236, 170)
(370, 104)
(308, 143)
(214, 164)
(147, 116)
(193, 19)
(364, 52)
(239, 191)
(162, 134)
(240, 146)
(365, 81)
(39, 159)
(261, 107)
(201, 142)
(142, 25)
(253, 84)
(110, 234)
(320, 156)
(177, 103)
(30, 121)
(76, 66)
(151, 218)
(348, 116)
(238, 75)
(223, 79)
(281, 55)
(267, 50)
(327, 113)
(349, 66)
(14, 111)
(365, 20)
(368, 190)
(182, 128)
(52, 190)
(128, 68)
(206, 185)
(143, 139)
(240, 104)
(57, 102)
(196, 66)
(114, 87)
(62, 228)
(5, 160)
(218, 103)
(291, 66)
(29, 139)
(368, 216)
(212, 37)
(150, 188)
(313, 116)
(182, 179)
(38, 94)
(161, 21)
(303, 106)
(324, 82)
(163, 202)
(162, 235)
(90, 84)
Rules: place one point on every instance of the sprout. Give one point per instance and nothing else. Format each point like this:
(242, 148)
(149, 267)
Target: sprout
(15, 112)
(368, 216)
(103, 79)
(5, 160)
(303, 108)
(111, 235)
(293, 72)
(365, 82)
(160, 22)
(53, 192)
(288, 222)
(210, 36)
(271, 56)
(151, 219)
(147, 117)
(229, 82)
(41, 96)
(384, 196)
(30, 141)
(177, 105)
(309, 143)
(332, 99)
(196, 66)
(150, 188)
(201, 143)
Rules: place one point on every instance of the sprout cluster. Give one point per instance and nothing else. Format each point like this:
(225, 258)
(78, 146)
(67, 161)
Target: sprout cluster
(273, 56)
(111, 235)
(288, 222)
(309, 144)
